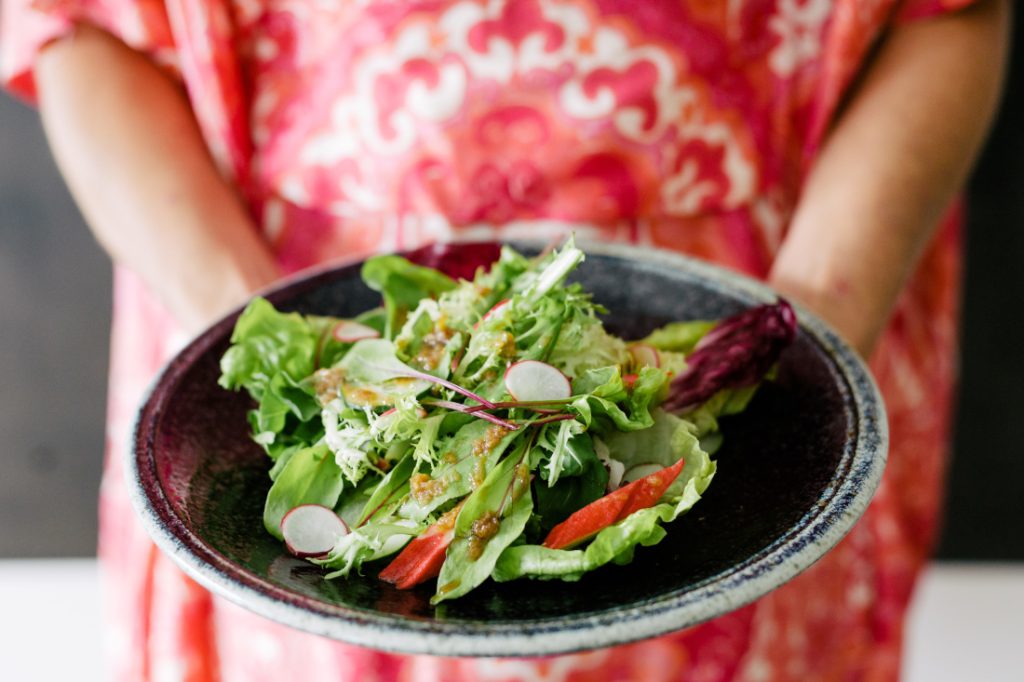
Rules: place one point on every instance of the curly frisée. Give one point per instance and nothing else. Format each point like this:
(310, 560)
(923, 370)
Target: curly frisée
(487, 428)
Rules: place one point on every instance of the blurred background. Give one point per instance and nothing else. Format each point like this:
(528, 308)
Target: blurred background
(54, 319)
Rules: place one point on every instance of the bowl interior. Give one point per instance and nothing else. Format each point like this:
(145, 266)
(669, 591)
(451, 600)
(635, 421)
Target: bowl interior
(780, 460)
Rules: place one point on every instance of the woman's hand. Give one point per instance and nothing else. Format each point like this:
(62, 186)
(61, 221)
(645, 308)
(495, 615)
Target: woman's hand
(889, 169)
(129, 147)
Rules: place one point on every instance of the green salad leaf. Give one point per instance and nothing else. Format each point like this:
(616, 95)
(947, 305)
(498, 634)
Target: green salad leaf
(493, 516)
(391, 490)
(371, 375)
(403, 285)
(468, 457)
(679, 337)
(582, 479)
(310, 477)
(266, 342)
(617, 542)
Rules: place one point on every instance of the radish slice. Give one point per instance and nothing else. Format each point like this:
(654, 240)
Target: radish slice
(383, 421)
(312, 530)
(348, 331)
(389, 414)
(616, 471)
(495, 310)
(639, 471)
(614, 467)
(386, 418)
(534, 380)
(644, 355)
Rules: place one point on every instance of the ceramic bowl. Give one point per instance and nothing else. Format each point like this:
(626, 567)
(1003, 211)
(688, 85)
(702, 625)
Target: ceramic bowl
(796, 471)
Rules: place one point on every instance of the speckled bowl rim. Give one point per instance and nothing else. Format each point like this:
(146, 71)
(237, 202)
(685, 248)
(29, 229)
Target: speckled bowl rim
(820, 529)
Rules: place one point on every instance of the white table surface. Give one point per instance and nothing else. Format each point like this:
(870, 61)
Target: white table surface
(967, 623)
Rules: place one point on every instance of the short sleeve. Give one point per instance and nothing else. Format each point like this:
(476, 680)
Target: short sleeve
(26, 26)
(912, 10)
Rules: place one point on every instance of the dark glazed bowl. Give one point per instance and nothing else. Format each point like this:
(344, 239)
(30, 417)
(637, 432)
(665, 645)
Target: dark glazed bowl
(797, 470)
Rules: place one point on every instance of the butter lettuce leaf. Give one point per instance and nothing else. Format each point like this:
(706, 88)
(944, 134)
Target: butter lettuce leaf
(310, 477)
(679, 337)
(267, 342)
(617, 542)
(403, 285)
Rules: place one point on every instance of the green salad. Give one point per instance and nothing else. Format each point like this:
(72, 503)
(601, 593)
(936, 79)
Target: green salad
(488, 427)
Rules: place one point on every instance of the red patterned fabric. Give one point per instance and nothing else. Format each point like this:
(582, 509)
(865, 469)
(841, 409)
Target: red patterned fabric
(362, 126)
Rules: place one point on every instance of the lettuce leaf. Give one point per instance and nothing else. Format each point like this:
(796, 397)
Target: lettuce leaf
(403, 285)
(582, 330)
(368, 543)
(271, 356)
(353, 499)
(287, 415)
(563, 450)
(266, 342)
(371, 375)
(660, 444)
(617, 542)
(503, 498)
(467, 458)
(582, 479)
(725, 402)
(679, 337)
(392, 489)
(310, 477)
(549, 272)
(625, 411)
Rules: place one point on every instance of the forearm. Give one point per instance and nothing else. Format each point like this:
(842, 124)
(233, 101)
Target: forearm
(126, 142)
(898, 154)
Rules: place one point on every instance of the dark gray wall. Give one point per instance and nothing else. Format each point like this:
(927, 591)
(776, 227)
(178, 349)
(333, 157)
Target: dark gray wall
(985, 510)
(54, 317)
(54, 327)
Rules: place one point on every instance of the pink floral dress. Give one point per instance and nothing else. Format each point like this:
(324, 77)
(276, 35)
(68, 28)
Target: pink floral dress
(373, 125)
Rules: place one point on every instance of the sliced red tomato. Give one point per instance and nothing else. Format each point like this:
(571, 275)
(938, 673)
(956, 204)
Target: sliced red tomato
(628, 380)
(420, 561)
(612, 508)
(423, 557)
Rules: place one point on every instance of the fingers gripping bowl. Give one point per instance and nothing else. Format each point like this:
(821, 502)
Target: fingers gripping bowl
(795, 471)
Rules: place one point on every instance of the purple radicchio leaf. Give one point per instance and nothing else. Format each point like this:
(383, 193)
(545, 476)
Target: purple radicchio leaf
(459, 260)
(736, 353)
